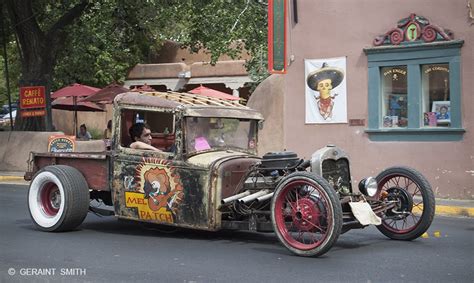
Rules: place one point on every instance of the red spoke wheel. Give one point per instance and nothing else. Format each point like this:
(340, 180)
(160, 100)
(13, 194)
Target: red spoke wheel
(306, 214)
(414, 203)
(58, 198)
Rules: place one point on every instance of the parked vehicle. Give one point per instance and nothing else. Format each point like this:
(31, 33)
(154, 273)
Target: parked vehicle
(5, 119)
(209, 177)
(5, 109)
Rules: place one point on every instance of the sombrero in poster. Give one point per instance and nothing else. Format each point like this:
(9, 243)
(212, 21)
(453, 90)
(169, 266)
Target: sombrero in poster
(336, 76)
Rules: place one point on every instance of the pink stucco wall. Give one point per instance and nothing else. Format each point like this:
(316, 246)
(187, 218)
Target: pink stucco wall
(335, 28)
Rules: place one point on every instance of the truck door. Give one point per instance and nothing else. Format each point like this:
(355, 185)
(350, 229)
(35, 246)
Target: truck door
(157, 186)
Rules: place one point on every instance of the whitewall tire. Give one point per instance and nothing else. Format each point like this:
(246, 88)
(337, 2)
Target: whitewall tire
(58, 198)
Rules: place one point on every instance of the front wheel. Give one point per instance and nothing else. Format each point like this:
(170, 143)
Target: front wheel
(58, 198)
(306, 214)
(414, 199)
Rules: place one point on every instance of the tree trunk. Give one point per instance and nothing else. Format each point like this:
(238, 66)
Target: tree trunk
(38, 51)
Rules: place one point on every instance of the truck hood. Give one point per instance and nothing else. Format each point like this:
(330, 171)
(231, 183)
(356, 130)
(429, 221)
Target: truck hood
(206, 159)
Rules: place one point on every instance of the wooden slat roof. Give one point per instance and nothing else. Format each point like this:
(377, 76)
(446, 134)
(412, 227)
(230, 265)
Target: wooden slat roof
(195, 99)
(191, 104)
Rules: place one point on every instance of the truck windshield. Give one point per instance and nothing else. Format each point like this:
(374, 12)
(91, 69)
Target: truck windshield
(203, 134)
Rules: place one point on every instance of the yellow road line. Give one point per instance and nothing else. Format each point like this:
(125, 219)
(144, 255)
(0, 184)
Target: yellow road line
(11, 178)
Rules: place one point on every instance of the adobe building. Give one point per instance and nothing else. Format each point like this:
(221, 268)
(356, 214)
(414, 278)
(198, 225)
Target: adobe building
(177, 69)
(173, 68)
(391, 82)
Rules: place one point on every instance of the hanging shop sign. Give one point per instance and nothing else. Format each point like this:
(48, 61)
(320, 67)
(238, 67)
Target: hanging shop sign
(277, 15)
(32, 97)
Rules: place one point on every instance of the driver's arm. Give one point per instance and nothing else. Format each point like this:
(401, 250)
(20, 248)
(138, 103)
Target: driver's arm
(142, 145)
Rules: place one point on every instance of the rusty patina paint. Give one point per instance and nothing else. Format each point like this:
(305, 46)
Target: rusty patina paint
(94, 167)
(134, 196)
(227, 170)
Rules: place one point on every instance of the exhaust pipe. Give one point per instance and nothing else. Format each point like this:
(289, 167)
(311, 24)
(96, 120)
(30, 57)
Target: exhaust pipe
(253, 196)
(265, 197)
(234, 197)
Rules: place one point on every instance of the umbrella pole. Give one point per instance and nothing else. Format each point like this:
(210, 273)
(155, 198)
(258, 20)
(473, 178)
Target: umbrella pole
(74, 99)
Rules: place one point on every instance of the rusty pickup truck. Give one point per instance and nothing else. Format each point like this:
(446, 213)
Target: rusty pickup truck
(208, 176)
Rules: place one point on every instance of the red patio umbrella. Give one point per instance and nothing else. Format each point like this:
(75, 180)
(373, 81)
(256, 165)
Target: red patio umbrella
(107, 94)
(67, 103)
(74, 91)
(202, 90)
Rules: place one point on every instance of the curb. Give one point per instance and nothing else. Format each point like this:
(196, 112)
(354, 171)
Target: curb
(447, 210)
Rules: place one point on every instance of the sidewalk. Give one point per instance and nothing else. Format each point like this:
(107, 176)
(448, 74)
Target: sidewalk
(446, 207)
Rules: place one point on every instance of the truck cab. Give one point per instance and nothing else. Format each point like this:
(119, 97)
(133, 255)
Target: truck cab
(200, 139)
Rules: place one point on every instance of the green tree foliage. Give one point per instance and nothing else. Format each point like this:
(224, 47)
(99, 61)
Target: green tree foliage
(228, 27)
(97, 42)
(114, 35)
(13, 63)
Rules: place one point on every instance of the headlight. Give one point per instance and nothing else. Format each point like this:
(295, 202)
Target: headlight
(368, 186)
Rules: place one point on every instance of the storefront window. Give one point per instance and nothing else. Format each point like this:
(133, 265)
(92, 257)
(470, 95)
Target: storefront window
(436, 95)
(394, 96)
(415, 92)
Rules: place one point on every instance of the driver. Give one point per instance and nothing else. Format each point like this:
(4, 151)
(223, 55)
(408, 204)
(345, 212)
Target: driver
(141, 137)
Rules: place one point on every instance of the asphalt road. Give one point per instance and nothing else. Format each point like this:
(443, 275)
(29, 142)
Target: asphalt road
(107, 250)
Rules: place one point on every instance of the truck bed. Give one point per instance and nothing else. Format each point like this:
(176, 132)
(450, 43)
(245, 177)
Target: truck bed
(95, 166)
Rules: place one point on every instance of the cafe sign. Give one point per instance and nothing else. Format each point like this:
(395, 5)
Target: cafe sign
(32, 113)
(32, 97)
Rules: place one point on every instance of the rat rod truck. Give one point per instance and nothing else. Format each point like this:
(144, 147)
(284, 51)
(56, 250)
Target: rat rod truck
(208, 176)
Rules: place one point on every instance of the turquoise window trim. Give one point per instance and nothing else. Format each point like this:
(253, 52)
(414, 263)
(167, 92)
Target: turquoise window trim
(413, 56)
(432, 135)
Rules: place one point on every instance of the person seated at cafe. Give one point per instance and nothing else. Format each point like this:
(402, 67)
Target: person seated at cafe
(83, 134)
(108, 131)
(141, 137)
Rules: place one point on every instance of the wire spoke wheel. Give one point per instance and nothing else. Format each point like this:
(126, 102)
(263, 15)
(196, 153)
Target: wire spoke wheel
(306, 214)
(414, 203)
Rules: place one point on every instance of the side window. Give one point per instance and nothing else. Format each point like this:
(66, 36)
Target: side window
(162, 129)
(161, 125)
(394, 95)
(436, 100)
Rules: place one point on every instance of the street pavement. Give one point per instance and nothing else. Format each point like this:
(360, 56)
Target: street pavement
(105, 249)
